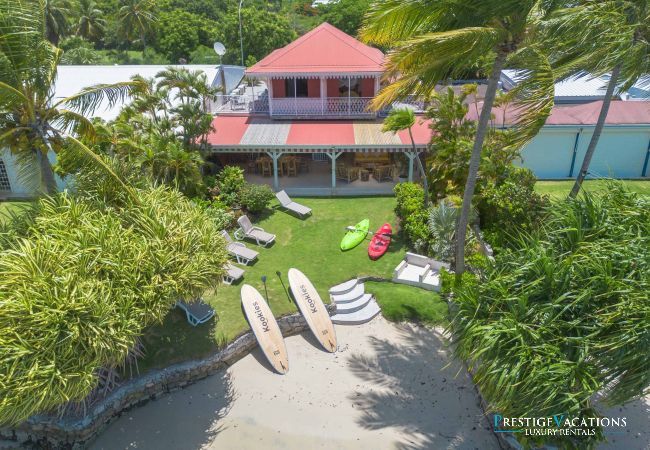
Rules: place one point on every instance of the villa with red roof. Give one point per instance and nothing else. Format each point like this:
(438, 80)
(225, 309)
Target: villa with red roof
(303, 124)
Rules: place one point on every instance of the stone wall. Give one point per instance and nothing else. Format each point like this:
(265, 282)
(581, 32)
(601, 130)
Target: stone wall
(50, 432)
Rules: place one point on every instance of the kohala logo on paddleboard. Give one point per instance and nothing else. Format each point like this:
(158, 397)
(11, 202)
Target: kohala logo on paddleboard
(260, 315)
(312, 305)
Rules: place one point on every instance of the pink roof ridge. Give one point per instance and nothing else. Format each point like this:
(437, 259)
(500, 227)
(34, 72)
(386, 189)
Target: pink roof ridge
(323, 49)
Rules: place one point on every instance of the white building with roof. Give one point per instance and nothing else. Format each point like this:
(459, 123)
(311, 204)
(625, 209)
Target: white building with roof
(72, 79)
(583, 88)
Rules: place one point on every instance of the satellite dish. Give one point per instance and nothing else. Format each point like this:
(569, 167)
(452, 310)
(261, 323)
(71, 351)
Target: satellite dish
(219, 48)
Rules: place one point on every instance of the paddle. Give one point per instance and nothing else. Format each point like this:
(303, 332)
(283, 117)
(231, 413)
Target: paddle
(283, 286)
(351, 228)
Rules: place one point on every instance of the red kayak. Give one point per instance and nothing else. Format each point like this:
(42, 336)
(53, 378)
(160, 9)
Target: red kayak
(380, 241)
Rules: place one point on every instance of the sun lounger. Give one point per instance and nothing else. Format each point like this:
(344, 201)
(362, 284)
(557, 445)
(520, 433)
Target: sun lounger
(290, 205)
(247, 230)
(232, 274)
(243, 254)
(197, 312)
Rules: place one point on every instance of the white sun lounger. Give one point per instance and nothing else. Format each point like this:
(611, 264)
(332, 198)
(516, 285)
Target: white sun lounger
(197, 312)
(290, 205)
(232, 274)
(247, 230)
(243, 254)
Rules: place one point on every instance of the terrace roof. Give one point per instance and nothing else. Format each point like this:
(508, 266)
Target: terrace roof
(325, 49)
(252, 132)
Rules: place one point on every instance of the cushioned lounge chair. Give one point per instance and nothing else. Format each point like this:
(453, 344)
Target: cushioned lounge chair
(232, 274)
(247, 230)
(290, 205)
(243, 254)
(197, 312)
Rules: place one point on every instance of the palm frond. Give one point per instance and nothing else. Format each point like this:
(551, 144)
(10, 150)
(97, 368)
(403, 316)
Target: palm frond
(89, 99)
(533, 95)
(417, 72)
(86, 153)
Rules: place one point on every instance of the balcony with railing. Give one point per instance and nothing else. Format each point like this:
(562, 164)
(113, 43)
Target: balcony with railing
(294, 107)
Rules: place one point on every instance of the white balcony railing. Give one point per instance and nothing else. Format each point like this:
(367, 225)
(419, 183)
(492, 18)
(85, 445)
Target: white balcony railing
(326, 107)
(302, 107)
(241, 104)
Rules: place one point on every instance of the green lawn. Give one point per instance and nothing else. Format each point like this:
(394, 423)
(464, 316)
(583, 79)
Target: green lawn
(311, 245)
(400, 303)
(560, 189)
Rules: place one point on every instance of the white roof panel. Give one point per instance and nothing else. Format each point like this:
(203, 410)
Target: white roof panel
(71, 79)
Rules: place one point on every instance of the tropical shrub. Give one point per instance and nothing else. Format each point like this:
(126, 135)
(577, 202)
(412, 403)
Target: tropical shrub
(510, 206)
(561, 318)
(79, 284)
(412, 214)
(442, 226)
(255, 198)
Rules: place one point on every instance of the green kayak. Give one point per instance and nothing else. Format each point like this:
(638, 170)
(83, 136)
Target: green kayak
(354, 238)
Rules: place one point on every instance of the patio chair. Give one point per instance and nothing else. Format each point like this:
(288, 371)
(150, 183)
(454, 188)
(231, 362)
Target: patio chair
(267, 168)
(292, 168)
(346, 173)
(383, 173)
(197, 312)
(243, 254)
(290, 205)
(232, 274)
(247, 230)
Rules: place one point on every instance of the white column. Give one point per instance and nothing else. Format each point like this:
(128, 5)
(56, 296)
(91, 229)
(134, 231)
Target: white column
(323, 94)
(275, 155)
(377, 85)
(411, 156)
(269, 84)
(334, 156)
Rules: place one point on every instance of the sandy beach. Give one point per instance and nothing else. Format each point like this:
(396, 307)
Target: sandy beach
(387, 387)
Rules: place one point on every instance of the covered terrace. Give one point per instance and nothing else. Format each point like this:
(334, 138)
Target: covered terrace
(319, 157)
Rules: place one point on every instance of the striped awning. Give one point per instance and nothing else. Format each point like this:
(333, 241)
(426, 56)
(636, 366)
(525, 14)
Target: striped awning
(251, 133)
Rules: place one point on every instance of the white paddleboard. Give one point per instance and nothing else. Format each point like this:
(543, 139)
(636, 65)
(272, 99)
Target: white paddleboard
(312, 308)
(265, 327)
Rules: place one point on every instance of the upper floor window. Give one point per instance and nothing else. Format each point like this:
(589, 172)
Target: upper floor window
(4, 177)
(350, 86)
(296, 87)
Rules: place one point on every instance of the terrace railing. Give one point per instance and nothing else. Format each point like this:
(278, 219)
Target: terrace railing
(329, 107)
(323, 107)
(241, 104)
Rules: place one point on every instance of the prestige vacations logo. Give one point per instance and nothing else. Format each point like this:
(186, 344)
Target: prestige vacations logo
(558, 425)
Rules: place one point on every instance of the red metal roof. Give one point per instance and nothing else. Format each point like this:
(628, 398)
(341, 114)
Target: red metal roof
(620, 113)
(323, 49)
(235, 131)
(321, 133)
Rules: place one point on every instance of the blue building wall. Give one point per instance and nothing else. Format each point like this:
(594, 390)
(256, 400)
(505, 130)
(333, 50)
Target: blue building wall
(20, 189)
(621, 152)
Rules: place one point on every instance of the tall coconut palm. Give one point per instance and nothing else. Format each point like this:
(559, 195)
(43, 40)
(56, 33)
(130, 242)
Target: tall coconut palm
(136, 18)
(602, 37)
(434, 41)
(91, 22)
(401, 119)
(56, 19)
(33, 124)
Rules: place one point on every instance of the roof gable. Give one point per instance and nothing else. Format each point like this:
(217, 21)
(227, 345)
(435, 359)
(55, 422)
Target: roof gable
(324, 49)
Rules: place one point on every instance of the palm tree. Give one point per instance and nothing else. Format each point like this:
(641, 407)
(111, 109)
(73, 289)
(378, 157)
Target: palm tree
(136, 18)
(91, 23)
(595, 38)
(56, 22)
(435, 40)
(403, 119)
(33, 124)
